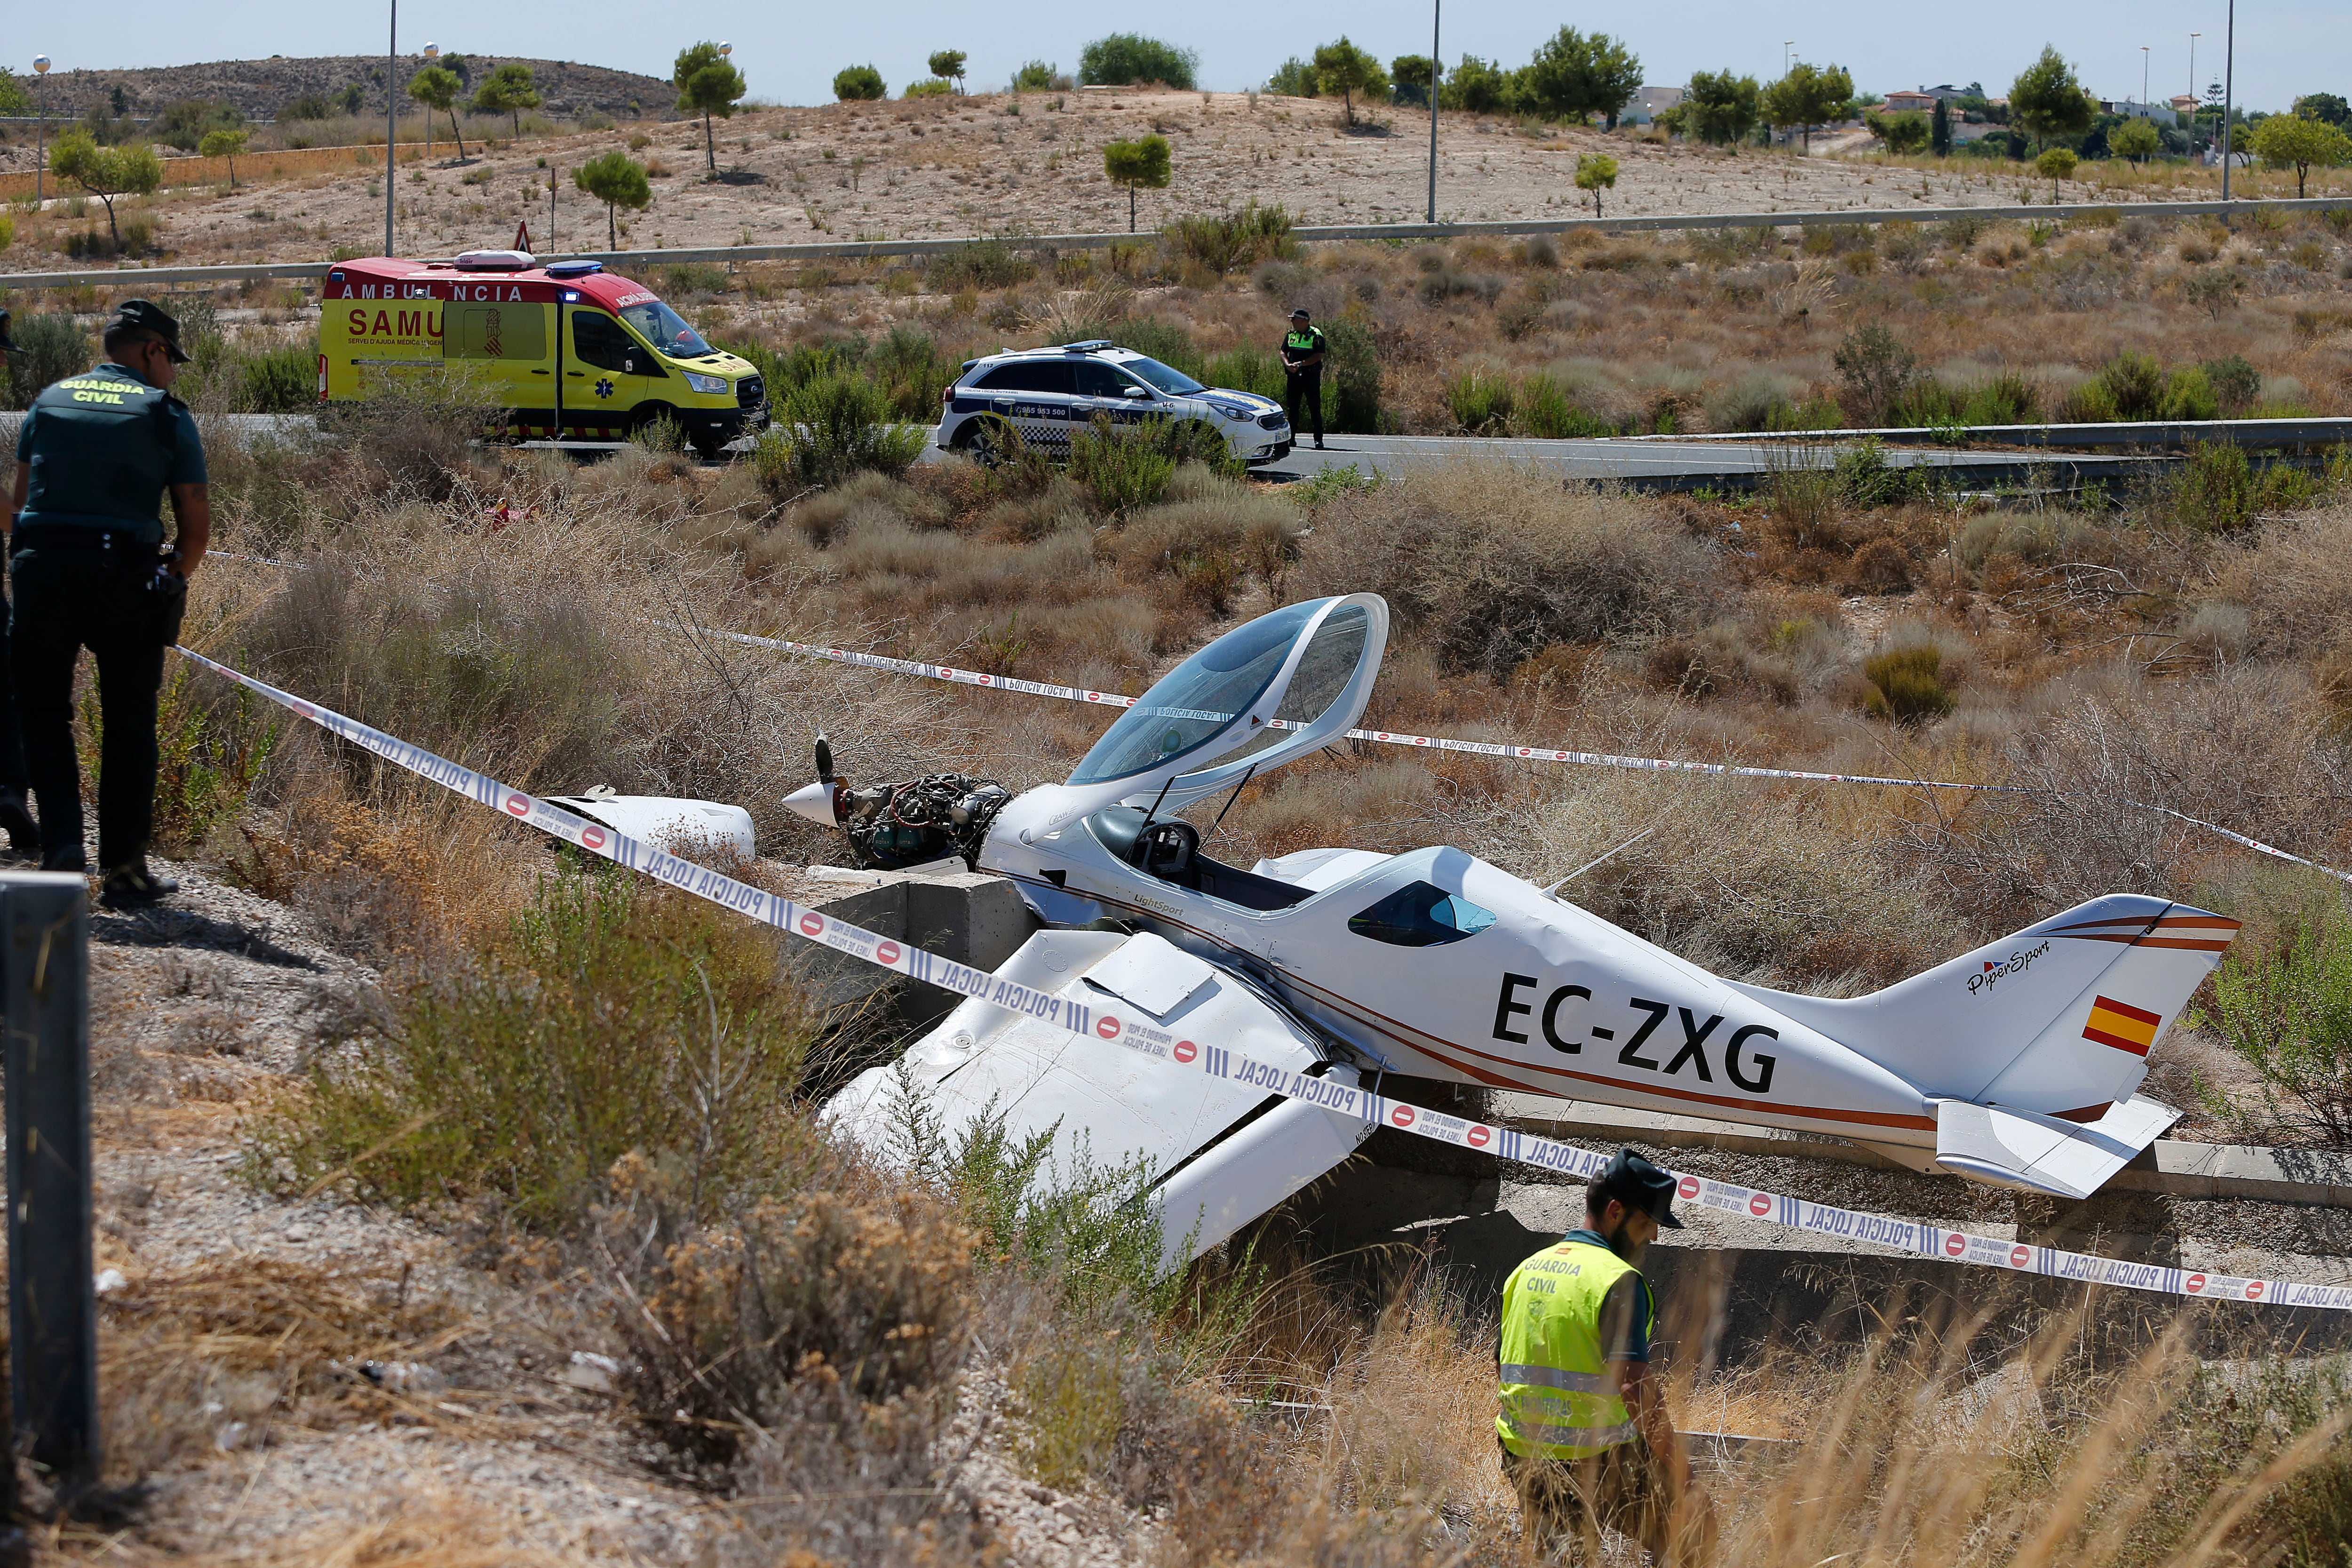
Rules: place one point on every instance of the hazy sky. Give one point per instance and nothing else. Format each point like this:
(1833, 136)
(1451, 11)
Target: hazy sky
(790, 52)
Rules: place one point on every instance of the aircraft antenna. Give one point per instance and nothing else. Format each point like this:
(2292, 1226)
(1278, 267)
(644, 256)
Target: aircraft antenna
(1553, 892)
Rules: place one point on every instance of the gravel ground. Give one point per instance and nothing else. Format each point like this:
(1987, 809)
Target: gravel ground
(487, 1436)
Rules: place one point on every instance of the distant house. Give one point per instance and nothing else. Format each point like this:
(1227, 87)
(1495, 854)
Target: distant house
(1923, 100)
(1646, 102)
(2160, 114)
(2185, 104)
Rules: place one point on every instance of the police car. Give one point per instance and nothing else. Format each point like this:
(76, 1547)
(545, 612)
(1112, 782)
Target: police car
(1046, 393)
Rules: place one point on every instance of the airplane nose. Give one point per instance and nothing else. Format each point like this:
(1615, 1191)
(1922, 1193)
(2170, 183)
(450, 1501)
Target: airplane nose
(814, 801)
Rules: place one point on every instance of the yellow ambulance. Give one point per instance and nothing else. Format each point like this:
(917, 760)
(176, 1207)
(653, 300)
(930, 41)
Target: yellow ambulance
(574, 353)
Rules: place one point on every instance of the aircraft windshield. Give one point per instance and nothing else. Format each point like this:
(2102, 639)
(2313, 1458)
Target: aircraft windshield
(1194, 702)
(666, 330)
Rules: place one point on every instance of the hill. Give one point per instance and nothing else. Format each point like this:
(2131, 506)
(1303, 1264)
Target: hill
(261, 87)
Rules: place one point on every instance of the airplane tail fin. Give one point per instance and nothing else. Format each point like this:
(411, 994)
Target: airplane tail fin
(2056, 1020)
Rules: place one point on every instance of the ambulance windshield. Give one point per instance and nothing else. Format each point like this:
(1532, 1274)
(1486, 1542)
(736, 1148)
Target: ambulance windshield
(666, 330)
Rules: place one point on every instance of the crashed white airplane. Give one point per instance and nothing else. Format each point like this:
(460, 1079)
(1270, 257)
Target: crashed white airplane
(2014, 1064)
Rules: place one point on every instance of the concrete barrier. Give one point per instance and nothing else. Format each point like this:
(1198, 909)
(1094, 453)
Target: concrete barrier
(956, 913)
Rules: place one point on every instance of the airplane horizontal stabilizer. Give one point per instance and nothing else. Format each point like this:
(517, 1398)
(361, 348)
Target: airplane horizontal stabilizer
(2007, 1148)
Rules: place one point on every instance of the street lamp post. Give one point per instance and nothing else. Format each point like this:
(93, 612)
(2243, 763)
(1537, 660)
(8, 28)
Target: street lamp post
(2228, 90)
(1786, 44)
(2193, 93)
(1436, 8)
(2142, 76)
(391, 118)
(41, 124)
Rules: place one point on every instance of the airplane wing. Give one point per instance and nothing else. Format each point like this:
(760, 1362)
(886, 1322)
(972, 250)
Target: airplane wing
(1222, 1153)
(2009, 1148)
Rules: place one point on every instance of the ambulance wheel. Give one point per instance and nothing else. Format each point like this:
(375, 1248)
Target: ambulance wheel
(708, 444)
(648, 413)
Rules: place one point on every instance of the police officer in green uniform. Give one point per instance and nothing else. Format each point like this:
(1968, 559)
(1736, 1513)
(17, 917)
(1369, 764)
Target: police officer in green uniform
(1586, 1438)
(24, 837)
(95, 458)
(1302, 373)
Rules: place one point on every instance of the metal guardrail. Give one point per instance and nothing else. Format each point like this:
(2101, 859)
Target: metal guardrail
(2169, 433)
(1319, 234)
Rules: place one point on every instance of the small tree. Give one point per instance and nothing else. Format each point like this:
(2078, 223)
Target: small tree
(1142, 164)
(105, 173)
(1596, 172)
(1477, 87)
(1574, 77)
(618, 181)
(949, 63)
(858, 83)
(2047, 101)
(1876, 369)
(1903, 133)
(508, 90)
(1038, 75)
(1344, 69)
(2135, 139)
(708, 83)
(2056, 163)
(1130, 59)
(224, 145)
(1808, 95)
(1939, 130)
(1720, 108)
(2290, 142)
(435, 87)
(2324, 106)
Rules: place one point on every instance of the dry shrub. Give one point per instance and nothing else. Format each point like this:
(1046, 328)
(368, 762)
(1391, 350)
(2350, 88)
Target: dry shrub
(406, 1528)
(1490, 563)
(1211, 541)
(2296, 581)
(186, 1352)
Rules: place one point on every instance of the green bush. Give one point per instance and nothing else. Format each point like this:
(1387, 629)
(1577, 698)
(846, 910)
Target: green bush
(983, 264)
(1241, 237)
(1352, 384)
(2188, 394)
(1039, 76)
(929, 87)
(908, 362)
(1481, 403)
(2219, 490)
(1865, 478)
(1246, 370)
(48, 348)
(1169, 344)
(830, 426)
(1544, 410)
(1128, 466)
(2287, 1014)
(279, 381)
(2237, 385)
(615, 1016)
(1906, 686)
(2135, 386)
(858, 83)
(1124, 60)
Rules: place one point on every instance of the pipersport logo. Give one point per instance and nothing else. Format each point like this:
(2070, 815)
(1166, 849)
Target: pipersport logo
(812, 924)
(592, 838)
(517, 805)
(1760, 1205)
(1480, 1137)
(1107, 1027)
(2195, 1285)
(1186, 1050)
(2018, 1256)
(1955, 1244)
(1687, 1186)
(887, 953)
(1401, 1116)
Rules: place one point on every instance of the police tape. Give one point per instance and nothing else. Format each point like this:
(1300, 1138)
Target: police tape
(1353, 1101)
(1475, 748)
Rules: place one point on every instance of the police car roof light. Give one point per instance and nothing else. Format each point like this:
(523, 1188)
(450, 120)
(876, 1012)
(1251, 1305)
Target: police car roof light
(1089, 346)
(574, 268)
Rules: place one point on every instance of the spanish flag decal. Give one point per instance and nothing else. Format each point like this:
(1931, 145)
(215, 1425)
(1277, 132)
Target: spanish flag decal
(2122, 1026)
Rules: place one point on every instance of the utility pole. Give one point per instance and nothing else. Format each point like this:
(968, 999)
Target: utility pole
(390, 118)
(2228, 91)
(2196, 96)
(1786, 44)
(1436, 8)
(2142, 76)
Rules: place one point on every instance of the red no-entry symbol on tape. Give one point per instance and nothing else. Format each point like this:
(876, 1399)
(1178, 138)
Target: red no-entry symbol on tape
(1956, 1243)
(2196, 1284)
(1108, 1028)
(2253, 1290)
(887, 953)
(812, 924)
(1688, 1187)
(1480, 1137)
(592, 838)
(1186, 1050)
(518, 805)
(1760, 1204)
(1401, 1116)
(2018, 1256)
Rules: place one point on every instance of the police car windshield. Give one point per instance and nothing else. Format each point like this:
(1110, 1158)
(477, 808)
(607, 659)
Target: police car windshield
(1175, 382)
(666, 330)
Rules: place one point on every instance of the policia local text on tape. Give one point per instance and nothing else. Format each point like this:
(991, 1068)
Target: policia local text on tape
(95, 456)
(1586, 1438)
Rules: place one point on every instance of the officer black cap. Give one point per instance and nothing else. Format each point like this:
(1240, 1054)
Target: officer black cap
(1300, 312)
(1638, 1185)
(8, 344)
(148, 316)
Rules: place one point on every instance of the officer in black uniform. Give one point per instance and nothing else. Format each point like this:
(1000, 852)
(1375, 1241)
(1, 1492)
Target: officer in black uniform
(24, 837)
(1302, 373)
(95, 456)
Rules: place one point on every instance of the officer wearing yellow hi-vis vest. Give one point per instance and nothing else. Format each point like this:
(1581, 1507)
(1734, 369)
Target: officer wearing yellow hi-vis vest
(1587, 1442)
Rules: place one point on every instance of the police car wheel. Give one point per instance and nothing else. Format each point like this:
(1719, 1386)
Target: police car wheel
(982, 441)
